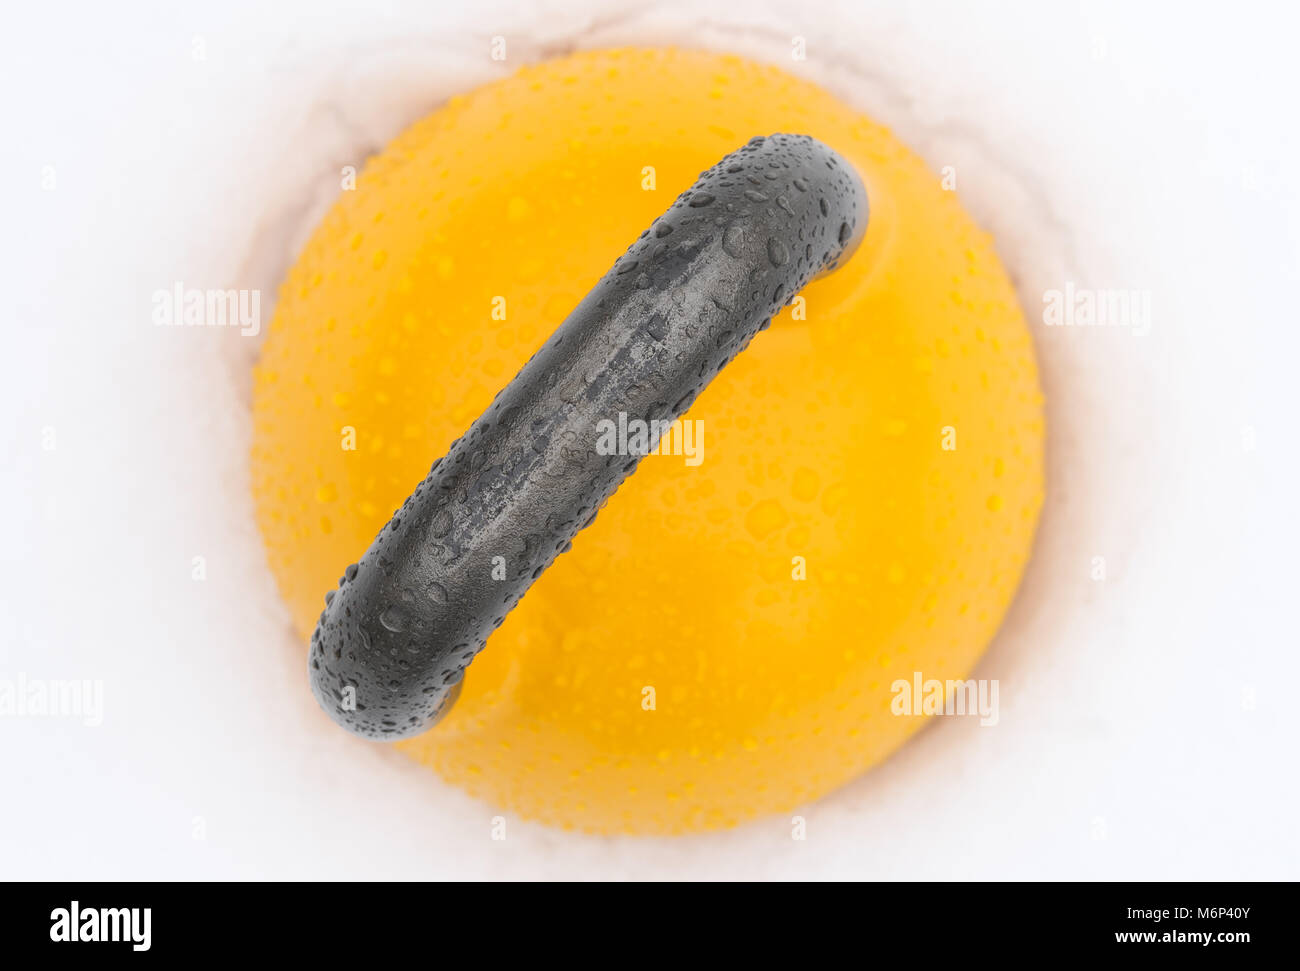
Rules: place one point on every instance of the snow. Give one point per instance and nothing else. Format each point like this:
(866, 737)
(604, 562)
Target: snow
(1145, 727)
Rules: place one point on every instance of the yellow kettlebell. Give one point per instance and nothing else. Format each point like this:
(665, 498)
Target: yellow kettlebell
(845, 508)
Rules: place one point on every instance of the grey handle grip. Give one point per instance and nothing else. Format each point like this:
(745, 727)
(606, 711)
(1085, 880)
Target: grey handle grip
(393, 642)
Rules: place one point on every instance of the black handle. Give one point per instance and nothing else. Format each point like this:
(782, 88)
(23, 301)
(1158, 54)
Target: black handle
(393, 642)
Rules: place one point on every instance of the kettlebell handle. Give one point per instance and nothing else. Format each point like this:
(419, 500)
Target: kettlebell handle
(390, 650)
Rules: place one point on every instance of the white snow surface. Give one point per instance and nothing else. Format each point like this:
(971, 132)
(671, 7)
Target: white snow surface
(1145, 731)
